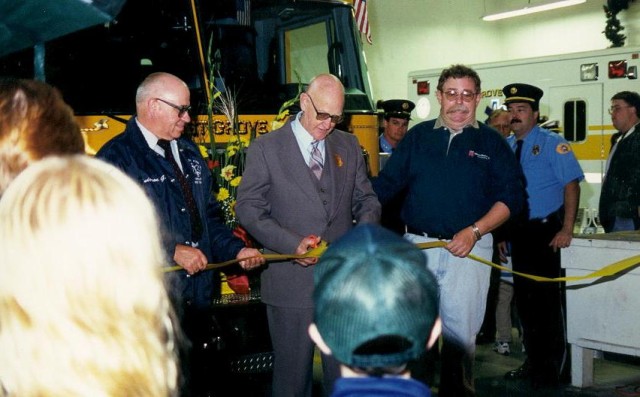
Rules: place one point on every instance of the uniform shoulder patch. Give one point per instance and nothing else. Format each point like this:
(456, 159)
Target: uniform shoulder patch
(563, 148)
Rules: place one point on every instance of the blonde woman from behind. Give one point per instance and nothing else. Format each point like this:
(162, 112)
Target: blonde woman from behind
(83, 308)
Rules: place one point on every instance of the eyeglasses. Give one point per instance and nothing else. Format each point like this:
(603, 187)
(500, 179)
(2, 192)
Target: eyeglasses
(181, 109)
(452, 95)
(322, 116)
(615, 109)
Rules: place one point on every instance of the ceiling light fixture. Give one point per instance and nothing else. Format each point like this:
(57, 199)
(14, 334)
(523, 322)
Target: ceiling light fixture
(531, 10)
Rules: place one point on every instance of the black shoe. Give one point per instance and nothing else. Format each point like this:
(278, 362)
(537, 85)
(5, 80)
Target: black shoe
(522, 372)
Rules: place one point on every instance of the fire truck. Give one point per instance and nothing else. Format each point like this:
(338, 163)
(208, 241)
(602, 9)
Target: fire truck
(577, 91)
(260, 50)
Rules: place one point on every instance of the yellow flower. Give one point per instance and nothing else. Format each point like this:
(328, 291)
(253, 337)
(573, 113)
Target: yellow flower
(223, 194)
(232, 149)
(235, 181)
(203, 151)
(227, 172)
(339, 162)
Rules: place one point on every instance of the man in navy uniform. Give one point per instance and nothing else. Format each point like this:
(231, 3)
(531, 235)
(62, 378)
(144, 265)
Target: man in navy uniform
(552, 176)
(397, 113)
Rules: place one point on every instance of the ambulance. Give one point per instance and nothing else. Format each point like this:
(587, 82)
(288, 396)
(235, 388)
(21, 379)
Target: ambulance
(577, 96)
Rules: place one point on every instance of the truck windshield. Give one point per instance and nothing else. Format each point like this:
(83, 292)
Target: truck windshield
(259, 49)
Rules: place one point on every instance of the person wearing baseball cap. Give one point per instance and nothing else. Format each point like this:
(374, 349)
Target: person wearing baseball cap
(552, 176)
(376, 310)
(397, 113)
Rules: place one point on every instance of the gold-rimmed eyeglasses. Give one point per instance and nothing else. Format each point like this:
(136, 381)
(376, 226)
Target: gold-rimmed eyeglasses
(322, 116)
(452, 95)
(181, 109)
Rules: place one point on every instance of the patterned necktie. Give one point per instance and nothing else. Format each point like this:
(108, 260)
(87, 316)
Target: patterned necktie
(315, 162)
(196, 222)
(519, 144)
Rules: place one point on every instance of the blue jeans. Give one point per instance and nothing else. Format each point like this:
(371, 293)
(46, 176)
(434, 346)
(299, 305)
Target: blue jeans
(464, 284)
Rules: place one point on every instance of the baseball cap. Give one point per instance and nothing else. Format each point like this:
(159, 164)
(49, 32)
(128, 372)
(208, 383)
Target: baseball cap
(375, 300)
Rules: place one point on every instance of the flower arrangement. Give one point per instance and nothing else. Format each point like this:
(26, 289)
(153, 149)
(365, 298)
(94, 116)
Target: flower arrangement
(228, 165)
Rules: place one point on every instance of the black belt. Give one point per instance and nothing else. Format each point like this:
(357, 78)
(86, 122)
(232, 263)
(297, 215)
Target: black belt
(555, 215)
(540, 220)
(413, 230)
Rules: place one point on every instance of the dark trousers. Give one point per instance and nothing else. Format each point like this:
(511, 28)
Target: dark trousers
(293, 353)
(540, 304)
(203, 363)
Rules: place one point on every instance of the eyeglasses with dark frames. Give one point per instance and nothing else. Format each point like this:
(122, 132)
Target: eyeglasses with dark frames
(322, 116)
(181, 109)
(452, 95)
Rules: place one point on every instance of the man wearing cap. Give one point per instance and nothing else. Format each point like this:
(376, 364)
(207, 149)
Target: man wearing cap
(463, 182)
(552, 177)
(376, 308)
(397, 113)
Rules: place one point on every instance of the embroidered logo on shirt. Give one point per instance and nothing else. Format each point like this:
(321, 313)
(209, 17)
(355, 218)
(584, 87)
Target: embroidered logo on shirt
(196, 167)
(479, 155)
(563, 148)
(150, 180)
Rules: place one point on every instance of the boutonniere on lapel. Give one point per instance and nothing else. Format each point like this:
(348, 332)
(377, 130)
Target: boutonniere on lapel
(339, 162)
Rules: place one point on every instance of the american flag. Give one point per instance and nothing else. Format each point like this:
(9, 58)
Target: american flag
(362, 18)
(243, 12)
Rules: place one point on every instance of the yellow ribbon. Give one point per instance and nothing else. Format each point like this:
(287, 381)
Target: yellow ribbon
(313, 253)
(605, 271)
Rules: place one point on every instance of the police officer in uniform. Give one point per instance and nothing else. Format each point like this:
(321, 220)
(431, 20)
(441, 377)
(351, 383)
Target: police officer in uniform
(552, 176)
(397, 113)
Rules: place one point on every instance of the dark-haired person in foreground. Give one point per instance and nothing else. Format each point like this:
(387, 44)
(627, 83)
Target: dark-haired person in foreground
(376, 309)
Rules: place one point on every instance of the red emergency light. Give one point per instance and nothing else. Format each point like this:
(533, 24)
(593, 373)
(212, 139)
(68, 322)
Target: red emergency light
(423, 87)
(617, 69)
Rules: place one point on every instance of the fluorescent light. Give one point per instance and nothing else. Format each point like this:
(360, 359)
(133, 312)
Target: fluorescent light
(531, 10)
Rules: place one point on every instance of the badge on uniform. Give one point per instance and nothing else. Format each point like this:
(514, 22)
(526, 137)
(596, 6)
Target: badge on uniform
(535, 150)
(563, 148)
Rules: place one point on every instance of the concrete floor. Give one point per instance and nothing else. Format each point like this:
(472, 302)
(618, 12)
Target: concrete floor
(614, 375)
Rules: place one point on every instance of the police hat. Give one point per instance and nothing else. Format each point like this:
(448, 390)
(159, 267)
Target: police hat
(518, 92)
(400, 108)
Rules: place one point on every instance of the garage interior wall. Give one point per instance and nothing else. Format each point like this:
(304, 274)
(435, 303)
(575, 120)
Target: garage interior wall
(413, 35)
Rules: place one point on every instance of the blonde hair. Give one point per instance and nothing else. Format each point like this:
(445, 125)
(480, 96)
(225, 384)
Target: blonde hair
(83, 308)
(34, 122)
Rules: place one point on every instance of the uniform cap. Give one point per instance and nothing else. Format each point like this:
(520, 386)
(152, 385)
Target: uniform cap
(400, 108)
(373, 285)
(518, 92)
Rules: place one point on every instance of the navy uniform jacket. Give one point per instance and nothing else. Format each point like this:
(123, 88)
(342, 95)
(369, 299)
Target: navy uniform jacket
(131, 153)
(451, 186)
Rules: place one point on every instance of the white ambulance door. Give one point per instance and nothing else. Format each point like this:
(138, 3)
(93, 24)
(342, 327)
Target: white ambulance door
(579, 109)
